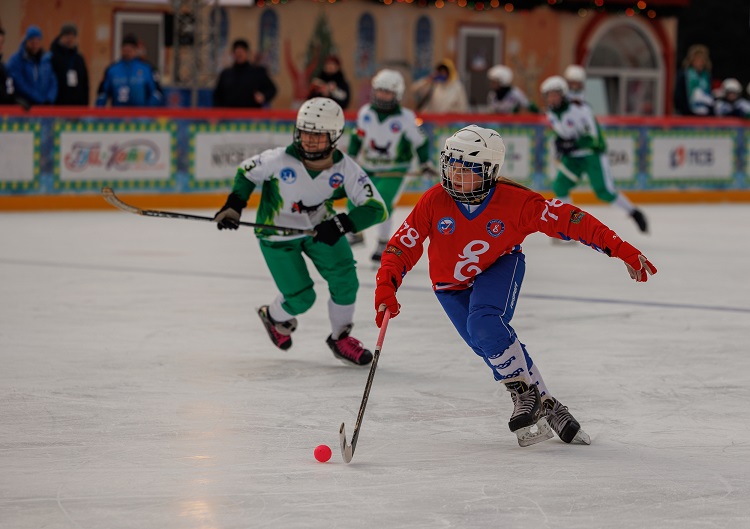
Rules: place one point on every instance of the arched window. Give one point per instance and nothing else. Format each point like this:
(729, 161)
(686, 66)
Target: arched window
(365, 60)
(423, 47)
(268, 40)
(625, 72)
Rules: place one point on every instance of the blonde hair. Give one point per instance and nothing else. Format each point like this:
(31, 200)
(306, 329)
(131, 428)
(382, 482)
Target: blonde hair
(694, 51)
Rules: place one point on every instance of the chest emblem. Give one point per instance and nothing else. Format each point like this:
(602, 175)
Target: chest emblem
(446, 225)
(495, 227)
(335, 180)
(288, 175)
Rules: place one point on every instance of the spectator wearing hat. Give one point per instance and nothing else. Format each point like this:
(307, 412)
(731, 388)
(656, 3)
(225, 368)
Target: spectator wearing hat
(130, 81)
(730, 101)
(331, 83)
(70, 68)
(31, 70)
(6, 83)
(243, 84)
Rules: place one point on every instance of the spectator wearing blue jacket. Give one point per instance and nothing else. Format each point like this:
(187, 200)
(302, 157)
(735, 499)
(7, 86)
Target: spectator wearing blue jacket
(130, 81)
(31, 70)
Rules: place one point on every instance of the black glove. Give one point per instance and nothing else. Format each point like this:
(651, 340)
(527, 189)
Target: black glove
(564, 146)
(228, 217)
(331, 230)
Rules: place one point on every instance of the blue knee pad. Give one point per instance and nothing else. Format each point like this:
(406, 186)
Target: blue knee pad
(489, 332)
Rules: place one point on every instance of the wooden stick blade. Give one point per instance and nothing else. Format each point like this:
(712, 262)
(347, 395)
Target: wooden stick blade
(347, 450)
(109, 195)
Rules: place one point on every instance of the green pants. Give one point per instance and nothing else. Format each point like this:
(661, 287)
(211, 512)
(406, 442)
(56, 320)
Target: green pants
(289, 271)
(596, 166)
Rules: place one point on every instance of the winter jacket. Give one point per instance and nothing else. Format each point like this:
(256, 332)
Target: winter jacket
(238, 83)
(6, 86)
(340, 94)
(129, 84)
(71, 73)
(33, 78)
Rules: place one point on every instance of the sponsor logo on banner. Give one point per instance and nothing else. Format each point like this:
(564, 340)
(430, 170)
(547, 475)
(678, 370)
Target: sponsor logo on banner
(517, 165)
(677, 158)
(17, 156)
(217, 154)
(103, 155)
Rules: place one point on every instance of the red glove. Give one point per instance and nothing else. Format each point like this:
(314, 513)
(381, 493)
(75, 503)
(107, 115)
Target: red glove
(385, 295)
(638, 266)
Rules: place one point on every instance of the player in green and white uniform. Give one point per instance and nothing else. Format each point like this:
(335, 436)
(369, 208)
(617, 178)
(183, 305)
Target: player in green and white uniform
(299, 184)
(385, 141)
(581, 149)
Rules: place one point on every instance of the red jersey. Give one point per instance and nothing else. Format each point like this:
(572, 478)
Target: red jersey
(463, 245)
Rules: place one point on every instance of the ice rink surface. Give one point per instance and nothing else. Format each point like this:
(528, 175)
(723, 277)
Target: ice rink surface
(138, 388)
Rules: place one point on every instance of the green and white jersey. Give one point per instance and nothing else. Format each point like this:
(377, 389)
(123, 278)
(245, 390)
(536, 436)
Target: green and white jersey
(294, 197)
(386, 142)
(575, 120)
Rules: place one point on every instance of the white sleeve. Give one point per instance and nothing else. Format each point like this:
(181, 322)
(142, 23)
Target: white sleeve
(358, 186)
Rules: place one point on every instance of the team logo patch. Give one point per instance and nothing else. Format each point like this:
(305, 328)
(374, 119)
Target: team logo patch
(576, 217)
(446, 225)
(396, 126)
(495, 227)
(336, 180)
(393, 250)
(288, 175)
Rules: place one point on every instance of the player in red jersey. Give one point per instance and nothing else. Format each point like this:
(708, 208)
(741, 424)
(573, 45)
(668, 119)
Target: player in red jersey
(476, 221)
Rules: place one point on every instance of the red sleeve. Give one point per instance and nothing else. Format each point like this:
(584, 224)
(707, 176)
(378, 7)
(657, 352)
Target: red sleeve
(565, 221)
(407, 244)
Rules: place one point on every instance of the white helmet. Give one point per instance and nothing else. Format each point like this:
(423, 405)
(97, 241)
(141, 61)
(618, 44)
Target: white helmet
(390, 81)
(575, 74)
(480, 150)
(321, 115)
(732, 86)
(502, 74)
(554, 83)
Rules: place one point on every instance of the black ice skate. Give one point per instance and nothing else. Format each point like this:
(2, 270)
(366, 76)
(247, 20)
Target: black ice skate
(348, 349)
(563, 423)
(279, 331)
(527, 420)
(640, 220)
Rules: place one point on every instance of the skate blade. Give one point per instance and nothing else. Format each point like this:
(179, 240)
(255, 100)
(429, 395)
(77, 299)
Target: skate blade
(536, 433)
(582, 438)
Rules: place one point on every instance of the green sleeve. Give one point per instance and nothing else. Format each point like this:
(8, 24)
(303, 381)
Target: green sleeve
(242, 187)
(355, 144)
(423, 151)
(368, 214)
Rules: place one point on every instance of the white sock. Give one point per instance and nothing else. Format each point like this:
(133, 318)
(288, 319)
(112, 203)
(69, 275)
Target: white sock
(623, 202)
(341, 317)
(536, 378)
(384, 230)
(512, 364)
(276, 312)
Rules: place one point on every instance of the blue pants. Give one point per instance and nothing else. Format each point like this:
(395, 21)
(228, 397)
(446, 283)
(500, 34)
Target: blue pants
(481, 314)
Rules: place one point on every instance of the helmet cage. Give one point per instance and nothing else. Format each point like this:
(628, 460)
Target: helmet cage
(452, 164)
(318, 116)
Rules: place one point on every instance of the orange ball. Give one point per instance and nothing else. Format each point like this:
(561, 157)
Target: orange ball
(322, 453)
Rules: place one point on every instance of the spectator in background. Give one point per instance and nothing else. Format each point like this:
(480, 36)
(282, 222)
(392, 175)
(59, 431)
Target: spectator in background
(441, 92)
(331, 83)
(576, 77)
(693, 85)
(70, 68)
(243, 84)
(130, 81)
(6, 82)
(33, 79)
(503, 97)
(731, 102)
